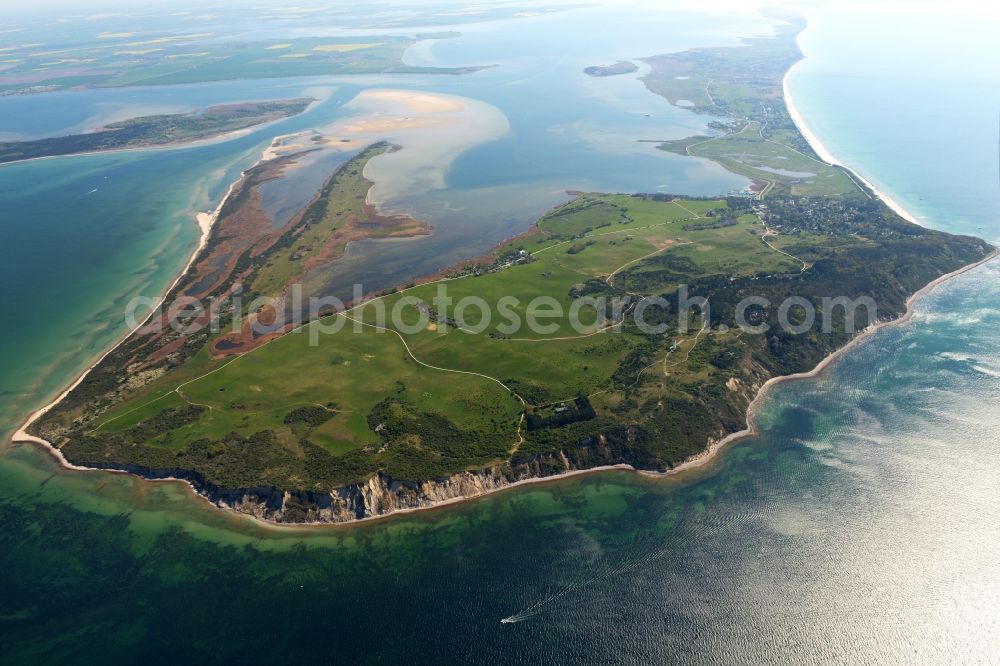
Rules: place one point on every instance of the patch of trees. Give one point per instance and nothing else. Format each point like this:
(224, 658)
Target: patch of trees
(421, 445)
(721, 224)
(579, 409)
(167, 420)
(310, 415)
(577, 248)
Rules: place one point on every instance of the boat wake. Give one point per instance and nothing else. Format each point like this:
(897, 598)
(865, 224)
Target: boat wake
(628, 562)
(513, 619)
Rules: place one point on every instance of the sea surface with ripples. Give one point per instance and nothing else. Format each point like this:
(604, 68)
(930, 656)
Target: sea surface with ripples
(861, 525)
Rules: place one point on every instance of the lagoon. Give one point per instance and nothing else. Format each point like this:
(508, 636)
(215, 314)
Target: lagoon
(861, 525)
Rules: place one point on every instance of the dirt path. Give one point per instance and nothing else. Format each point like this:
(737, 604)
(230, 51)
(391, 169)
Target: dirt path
(771, 232)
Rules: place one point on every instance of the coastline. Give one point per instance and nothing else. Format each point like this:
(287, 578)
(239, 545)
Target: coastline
(857, 340)
(695, 462)
(824, 153)
(699, 460)
(205, 221)
(173, 145)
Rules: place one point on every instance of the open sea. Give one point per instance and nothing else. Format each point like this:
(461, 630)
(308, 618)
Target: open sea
(862, 525)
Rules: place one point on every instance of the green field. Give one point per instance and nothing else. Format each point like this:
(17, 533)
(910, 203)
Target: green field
(350, 394)
(748, 153)
(196, 57)
(413, 388)
(481, 381)
(623, 229)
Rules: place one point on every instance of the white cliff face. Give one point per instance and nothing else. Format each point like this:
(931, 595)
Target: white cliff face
(380, 495)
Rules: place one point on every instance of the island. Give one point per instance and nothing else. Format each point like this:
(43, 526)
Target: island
(160, 130)
(620, 67)
(352, 415)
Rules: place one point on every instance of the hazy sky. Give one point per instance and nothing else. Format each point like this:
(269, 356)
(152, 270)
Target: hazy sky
(81, 8)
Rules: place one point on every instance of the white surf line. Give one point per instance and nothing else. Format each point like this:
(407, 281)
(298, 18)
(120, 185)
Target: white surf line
(206, 221)
(829, 157)
(205, 224)
(791, 148)
(236, 357)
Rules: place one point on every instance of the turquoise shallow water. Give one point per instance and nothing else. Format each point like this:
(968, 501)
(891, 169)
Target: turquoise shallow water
(862, 525)
(920, 121)
(73, 256)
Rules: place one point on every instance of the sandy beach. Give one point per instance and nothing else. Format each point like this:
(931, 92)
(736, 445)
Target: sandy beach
(692, 464)
(433, 130)
(391, 112)
(205, 223)
(825, 154)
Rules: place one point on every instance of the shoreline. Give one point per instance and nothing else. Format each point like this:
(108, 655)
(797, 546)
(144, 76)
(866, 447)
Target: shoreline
(697, 461)
(205, 222)
(173, 145)
(860, 338)
(693, 463)
(824, 153)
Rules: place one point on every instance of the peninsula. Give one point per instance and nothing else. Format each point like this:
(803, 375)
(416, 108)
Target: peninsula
(160, 130)
(351, 416)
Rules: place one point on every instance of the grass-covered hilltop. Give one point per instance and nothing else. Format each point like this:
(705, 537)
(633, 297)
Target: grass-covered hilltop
(354, 415)
(147, 131)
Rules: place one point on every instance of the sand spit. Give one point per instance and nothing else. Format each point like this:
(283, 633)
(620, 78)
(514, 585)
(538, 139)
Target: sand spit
(437, 128)
(432, 129)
